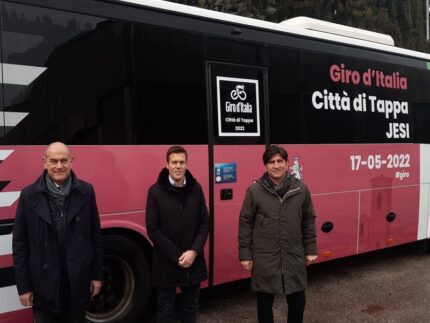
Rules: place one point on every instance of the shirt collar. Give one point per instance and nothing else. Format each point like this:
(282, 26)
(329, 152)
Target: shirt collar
(173, 183)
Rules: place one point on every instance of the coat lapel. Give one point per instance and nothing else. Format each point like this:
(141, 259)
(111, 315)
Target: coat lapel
(41, 208)
(77, 199)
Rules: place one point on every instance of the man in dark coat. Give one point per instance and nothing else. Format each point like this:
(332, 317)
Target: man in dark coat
(277, 237)
(57, 245)
(178, 225)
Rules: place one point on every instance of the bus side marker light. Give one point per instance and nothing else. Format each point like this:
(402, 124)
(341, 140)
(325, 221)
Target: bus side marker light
(390, 240)
(327, 254)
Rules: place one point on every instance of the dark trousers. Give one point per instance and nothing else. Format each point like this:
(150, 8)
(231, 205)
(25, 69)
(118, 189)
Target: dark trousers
(189, 301)
(67, 314)
(296, 307)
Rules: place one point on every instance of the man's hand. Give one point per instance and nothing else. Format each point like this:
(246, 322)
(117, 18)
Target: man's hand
(26, 299)
(95, 286)
(310, 259)
(246, 264)
(187, 258)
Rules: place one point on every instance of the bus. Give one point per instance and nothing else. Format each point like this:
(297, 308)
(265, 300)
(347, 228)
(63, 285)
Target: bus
(121, 81)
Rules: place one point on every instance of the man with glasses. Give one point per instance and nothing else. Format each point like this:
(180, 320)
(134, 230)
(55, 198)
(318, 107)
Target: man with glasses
(57, 244)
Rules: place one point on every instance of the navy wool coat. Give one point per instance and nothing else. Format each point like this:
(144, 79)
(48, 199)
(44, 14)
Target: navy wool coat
(36, 249)
(176, 224)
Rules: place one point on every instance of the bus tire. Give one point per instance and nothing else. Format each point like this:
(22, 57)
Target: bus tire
(126, 288)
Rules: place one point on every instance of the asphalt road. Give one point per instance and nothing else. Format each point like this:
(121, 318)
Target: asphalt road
(385, 286)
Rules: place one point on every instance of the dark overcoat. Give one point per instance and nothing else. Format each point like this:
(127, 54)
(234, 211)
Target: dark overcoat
(176, 225)
(276, 233)
(36, 249)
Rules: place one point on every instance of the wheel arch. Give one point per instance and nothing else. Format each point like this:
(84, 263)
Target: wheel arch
(121, 268)
(132, 235)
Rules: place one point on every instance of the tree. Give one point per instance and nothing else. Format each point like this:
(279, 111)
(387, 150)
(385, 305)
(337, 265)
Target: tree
(403, 20)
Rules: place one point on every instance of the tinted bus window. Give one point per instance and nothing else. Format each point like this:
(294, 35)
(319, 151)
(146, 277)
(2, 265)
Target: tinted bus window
(42, 63)
(340, 99)
(420, 99)
(287, 119)
(228, 50)
(170, 86)
(324, 124)
(2, 114)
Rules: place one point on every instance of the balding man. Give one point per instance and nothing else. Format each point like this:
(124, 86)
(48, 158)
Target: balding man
(57, 245)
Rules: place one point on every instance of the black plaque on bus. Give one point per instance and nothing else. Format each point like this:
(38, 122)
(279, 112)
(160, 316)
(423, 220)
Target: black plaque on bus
(238, 107)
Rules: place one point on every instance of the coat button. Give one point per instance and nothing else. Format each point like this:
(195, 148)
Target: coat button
(46, 244)
(45, 266)
(77, 219)
(80, 239)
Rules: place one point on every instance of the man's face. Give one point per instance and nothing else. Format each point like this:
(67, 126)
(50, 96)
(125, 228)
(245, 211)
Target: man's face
(58, 163)
(177, 165)
(277, 168)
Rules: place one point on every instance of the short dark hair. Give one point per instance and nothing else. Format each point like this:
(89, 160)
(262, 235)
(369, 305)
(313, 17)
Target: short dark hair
(273, 150)
(176, 150)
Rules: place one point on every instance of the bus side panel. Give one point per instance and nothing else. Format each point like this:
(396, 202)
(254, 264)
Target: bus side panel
(330, 168)
(369, 193)
(377, 206)
(352, 193)
(337, 224)
(249, 167)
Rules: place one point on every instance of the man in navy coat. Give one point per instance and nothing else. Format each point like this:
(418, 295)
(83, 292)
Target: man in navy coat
(57, 244)
(178, 225)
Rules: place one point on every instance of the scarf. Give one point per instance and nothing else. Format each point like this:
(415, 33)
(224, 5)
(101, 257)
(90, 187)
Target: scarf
(58, 203)
(279, 189)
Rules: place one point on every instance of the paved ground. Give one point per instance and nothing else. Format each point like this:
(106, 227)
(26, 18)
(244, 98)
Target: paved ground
(389, 286)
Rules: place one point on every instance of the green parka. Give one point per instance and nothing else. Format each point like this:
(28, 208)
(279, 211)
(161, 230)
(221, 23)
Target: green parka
(276, 234)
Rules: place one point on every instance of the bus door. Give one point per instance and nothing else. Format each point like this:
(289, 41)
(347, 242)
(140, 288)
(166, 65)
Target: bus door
(238, 102)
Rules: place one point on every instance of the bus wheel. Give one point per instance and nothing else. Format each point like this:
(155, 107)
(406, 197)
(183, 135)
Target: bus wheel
(126, 288)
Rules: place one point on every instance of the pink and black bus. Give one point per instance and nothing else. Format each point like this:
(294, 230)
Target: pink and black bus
(120, 81)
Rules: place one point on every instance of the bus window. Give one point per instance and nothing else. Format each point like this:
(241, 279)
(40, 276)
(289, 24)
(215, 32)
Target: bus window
(170, 79)
(227, 50)
(2, 114)
(327, 125)
(351, 100)
(287, 118)
(61, 88)
(420, 98)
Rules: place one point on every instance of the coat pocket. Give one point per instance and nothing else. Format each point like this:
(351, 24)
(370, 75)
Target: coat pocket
(263, 225)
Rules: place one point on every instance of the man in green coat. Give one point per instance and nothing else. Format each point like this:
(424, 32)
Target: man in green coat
(277, 236)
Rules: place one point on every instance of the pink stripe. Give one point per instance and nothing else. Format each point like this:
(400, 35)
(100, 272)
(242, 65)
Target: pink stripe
(6, 261)
(21, 316)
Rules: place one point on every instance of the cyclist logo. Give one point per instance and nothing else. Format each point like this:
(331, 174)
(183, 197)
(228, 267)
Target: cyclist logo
(238, 93)
(238, 107)
(297, 168)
